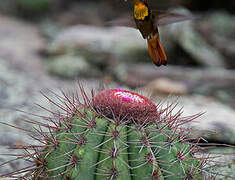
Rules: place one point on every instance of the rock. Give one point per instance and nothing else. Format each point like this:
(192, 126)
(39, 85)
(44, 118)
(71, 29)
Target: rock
(218, 83)
(103, 50)
(127, 45)
(217, 118)
(66, 66)
(220, 21)
(19, 90)
(167, 86)
(218, 28)
(192, 42)
(225, 165)
(20, 44)
(94, 42)
(14, 88)
(196, 46)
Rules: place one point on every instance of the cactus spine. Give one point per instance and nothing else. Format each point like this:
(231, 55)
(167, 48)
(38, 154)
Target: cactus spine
(117, 135)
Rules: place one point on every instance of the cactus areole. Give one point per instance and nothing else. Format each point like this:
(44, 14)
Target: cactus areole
(117, 135)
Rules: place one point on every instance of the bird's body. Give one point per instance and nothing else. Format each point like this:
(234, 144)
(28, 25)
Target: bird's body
(144, 20)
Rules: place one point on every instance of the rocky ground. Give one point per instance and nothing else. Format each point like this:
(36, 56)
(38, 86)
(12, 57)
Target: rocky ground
(79, 53)
(22, 77)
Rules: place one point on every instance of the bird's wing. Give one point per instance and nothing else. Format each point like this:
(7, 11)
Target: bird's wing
(164, 18)
(127, 21)
(160, 18)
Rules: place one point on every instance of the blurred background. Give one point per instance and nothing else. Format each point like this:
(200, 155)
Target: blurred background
(47, 45)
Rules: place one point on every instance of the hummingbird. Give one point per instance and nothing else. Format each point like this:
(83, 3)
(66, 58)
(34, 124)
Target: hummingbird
(147, 21)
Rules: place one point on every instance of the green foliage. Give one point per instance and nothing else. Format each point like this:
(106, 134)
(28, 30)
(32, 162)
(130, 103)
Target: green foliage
(33, 6)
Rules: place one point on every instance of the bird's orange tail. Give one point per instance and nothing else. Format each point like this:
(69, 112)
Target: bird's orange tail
(156, 51)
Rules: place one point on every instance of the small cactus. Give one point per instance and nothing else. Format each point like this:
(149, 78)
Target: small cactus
(116, 135)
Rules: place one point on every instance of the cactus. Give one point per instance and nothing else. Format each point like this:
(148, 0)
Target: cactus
(117, 135)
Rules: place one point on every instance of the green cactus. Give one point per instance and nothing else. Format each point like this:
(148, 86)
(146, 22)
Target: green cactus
(117, 135)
